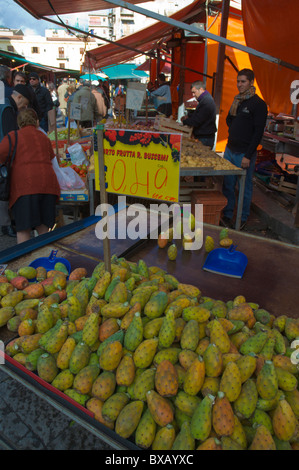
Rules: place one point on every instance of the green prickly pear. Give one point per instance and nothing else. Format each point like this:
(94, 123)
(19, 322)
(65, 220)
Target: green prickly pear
(46, 367)
(85, 378)
(286, 381)
(267, 381)
(230, 382)
(247, 366)
(144, 353)
(190, 335)
(128, 419)
(144, 382)
(254, 344)
(167, 331)
(184, 439)
(45, 319)
(146, 430)
(245, 404)
(63, 380)
(201, 422)
(90, 332)
(213, 360)
(32, 358)
(78, 397)
(57, 339)
(134, 333)
(114, 404)
(79, 357)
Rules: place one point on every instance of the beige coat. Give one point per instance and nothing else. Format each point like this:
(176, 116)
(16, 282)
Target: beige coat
(102, 109)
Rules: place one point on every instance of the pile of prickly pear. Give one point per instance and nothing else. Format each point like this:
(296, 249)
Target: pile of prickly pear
(155, 360)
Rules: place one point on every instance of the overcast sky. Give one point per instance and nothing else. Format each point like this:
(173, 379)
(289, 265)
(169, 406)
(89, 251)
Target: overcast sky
(14, 17)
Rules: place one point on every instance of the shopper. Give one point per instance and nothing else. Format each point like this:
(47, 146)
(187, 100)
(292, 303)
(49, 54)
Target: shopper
(89, 109)
(19, 99)
(161, 95)
(102, 110)
(246, 122)
(43, 97)
(34, 187)
(203, 118)
(5, 77)
(19, 79)
(61, 90)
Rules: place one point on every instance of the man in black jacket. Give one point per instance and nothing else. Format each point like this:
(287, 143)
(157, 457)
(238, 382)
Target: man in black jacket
(203, 118)
(246, 122)
(44, 99)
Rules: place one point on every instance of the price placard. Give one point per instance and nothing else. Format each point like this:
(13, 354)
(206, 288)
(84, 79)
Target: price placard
(135, 95)
(141, 163)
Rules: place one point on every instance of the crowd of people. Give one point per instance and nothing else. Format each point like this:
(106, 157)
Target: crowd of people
(34, 186)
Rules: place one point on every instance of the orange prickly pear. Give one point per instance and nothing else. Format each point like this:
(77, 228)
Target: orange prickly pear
(284, 421)
(46, 367)
(212, 357)
(184, 439)
(211, 443)
(111, 355)
(33, 291)
(104, 385)
(146, 430)
(134, 333)
(95, 405)
(164, 438)
(144, 353)
(65, 353)
(223, 416)
(267, 381)
(125, 372)
(284, 362)
(186, 357)
(160, 408)
(83, 381)
(262, 440)
(167, 331)
(194, 377)
(114, 404)
(245, 404)
(77, 274)
(201, 421)
(219, 336)
(108, 327)
(20, 282)
(26, 327)
(166, 379)
(128, 419)
(230, 382)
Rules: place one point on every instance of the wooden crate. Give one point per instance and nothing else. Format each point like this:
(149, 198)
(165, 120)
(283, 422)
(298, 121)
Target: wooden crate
(164, 124)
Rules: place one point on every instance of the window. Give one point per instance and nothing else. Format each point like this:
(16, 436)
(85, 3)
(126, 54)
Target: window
(62, 66)
(35, 50)
(10, 48)
(61, 52)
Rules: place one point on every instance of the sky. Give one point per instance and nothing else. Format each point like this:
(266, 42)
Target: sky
(14, 17)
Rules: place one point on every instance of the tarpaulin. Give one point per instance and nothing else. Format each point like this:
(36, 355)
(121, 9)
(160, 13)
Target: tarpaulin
(272, 27)
(240, 60)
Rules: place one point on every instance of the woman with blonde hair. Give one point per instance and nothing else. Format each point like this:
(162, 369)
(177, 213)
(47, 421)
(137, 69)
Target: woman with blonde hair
(34, 188)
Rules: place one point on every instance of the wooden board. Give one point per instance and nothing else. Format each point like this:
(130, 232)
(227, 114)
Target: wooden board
(164, 124)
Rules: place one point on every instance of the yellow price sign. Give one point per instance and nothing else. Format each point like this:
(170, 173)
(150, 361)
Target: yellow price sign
(141, 163)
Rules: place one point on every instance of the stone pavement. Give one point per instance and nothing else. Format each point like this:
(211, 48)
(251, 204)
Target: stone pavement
(27, 422)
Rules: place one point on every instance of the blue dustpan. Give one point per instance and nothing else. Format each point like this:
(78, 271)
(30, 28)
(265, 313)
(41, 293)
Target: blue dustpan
(226, 261)
(49, 263)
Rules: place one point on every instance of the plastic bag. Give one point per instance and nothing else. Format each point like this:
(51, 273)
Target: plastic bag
(68, 179)
(77, 154)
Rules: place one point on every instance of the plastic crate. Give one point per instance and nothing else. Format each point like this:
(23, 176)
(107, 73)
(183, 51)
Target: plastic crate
(213, 203)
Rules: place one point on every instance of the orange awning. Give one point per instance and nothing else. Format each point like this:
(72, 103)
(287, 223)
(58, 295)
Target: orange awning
(42, 8)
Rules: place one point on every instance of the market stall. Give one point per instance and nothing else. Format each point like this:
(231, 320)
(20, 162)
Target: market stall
(83, 249)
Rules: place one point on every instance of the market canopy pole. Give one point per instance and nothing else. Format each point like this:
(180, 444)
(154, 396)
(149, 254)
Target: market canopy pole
(203, 33)
(221, 55)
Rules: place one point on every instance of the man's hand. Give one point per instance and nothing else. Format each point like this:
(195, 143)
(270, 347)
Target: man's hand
(245, 162)
(183, 118)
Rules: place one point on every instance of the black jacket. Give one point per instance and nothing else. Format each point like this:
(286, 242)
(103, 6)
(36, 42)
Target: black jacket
(44, 100)
(247, 127)
(203, 118)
